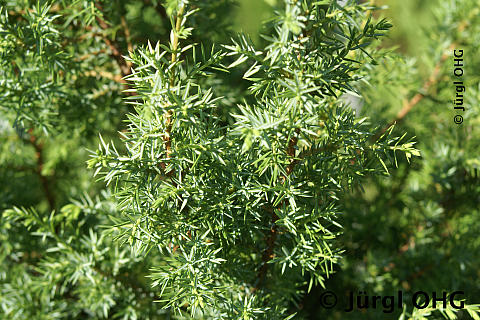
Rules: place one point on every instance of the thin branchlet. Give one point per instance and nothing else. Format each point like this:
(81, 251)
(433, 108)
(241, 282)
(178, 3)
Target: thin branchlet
(225, 187)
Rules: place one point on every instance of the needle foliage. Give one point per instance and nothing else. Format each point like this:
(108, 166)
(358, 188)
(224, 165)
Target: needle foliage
(217, 168)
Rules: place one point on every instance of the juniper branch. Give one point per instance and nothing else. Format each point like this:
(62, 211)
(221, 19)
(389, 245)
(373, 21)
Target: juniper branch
(46, 185)
(268, 253)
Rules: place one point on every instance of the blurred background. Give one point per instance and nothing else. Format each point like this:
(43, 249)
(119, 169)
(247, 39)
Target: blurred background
(409, 17)
(419, 228)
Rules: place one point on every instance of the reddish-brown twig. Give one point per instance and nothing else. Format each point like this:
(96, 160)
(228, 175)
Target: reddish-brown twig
(430, 82)
(268, 253)
(409, 104)
(38, 146)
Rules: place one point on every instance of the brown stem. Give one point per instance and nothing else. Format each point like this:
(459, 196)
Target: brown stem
(40, 162)
(126, 31)
(125, 66)
(167, 139)
(409, 104)
(432, 80)
(268, 254)
(168, 115)
(291, 153)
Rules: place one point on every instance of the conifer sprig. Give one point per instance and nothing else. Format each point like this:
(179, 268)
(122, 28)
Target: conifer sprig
(284, 161)
(231, 171)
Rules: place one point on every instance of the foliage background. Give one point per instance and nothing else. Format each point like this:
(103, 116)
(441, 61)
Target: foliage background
(415, 230)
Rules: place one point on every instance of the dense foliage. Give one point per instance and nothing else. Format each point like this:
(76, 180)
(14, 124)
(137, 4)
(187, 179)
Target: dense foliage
(234, 178)
(424, 217)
